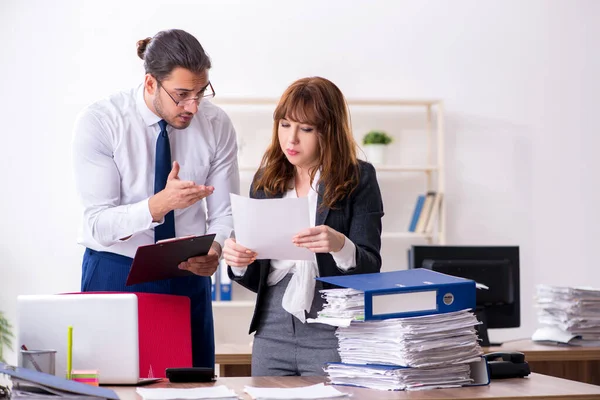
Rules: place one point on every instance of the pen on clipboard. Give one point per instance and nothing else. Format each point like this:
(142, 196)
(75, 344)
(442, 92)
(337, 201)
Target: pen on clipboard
(31, 358)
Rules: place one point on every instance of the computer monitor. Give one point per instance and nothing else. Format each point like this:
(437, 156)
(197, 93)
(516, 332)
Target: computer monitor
(493, 267)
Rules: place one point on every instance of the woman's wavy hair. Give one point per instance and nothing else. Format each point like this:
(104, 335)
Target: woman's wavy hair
(318, 102)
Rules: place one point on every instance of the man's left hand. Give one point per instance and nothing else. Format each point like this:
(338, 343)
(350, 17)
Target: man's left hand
(204, 265)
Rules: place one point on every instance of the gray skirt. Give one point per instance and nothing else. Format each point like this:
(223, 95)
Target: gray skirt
(283, 345)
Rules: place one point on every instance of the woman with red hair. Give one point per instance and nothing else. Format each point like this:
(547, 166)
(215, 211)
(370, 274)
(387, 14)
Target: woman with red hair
(312, 154)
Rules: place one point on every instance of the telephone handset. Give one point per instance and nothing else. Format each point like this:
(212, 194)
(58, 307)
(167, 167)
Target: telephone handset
(507, 365)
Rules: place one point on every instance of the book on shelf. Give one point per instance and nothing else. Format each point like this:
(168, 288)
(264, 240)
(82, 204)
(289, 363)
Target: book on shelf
(426, 211)
(434, 212)
(416, 213)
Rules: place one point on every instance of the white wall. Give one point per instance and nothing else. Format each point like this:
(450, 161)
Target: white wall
(518, 78)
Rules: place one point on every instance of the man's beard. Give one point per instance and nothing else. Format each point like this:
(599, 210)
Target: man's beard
(171, 121)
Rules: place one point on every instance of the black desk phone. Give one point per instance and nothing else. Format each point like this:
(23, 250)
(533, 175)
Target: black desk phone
(507, 365)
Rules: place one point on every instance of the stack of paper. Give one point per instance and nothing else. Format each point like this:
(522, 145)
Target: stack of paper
(410, 329)
(415, 353)
(426, 352)
(425, 341)
(390, 377)
(341, 307)
(568, 315)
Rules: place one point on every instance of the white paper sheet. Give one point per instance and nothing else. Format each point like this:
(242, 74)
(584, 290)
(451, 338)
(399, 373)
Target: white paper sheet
(318, 391)
(215, 392)
(267, 226)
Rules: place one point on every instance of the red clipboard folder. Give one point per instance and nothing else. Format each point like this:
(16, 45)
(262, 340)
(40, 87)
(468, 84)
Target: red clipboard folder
(158, 261)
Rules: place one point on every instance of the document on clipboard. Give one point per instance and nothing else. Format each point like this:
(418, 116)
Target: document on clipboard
(159, 261)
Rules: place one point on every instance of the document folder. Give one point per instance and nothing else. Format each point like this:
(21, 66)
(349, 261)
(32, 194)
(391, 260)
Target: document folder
(409, 293)
(159, 261)
(29, 384)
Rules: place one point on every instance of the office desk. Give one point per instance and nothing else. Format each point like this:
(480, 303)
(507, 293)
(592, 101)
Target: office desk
(575, 363)
(569, 362)
(535, 387)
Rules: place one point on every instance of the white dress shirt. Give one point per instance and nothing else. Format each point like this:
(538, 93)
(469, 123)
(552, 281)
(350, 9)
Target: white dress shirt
(114, 158)
(299, 294)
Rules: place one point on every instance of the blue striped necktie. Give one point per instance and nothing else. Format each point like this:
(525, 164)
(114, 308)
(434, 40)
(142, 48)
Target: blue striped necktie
(161, 172)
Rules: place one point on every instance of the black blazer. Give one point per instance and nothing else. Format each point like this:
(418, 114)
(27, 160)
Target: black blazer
(357, 216)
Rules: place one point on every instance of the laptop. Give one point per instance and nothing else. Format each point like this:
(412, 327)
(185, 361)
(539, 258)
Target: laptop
(105, 333)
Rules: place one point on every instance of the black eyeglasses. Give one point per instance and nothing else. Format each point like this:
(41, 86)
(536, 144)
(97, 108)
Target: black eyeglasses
(207, 93)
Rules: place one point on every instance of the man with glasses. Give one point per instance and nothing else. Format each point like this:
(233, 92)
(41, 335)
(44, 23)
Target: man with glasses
(144, 159)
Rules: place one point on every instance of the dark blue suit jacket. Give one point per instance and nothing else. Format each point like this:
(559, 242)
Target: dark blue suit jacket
(358, 216)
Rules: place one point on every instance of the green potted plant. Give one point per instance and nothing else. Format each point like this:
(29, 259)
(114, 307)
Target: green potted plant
(6, 335)
(374, 143)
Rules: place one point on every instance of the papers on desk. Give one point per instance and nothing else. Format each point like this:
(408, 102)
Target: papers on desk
(554, 335)
(569, 315)
(318, 391)
(412, 353)
(267, 226)
(215, 392)
(425, 341)
(383, 377)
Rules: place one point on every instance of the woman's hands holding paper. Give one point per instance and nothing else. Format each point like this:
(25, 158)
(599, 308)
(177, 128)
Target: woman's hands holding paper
(320, 239)
(237, 255)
